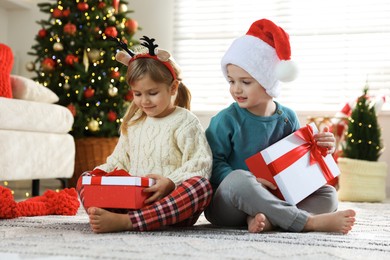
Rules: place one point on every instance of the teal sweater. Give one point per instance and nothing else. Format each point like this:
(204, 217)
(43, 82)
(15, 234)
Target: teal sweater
(235, 134)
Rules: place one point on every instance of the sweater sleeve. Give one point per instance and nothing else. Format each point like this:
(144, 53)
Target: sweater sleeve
(219, 134)
(119, 158)
(196, 153)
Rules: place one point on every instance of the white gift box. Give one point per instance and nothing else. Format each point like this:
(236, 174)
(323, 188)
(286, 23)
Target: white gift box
(287, 164)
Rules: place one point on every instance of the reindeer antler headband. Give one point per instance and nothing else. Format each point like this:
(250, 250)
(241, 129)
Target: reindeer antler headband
(127, 56)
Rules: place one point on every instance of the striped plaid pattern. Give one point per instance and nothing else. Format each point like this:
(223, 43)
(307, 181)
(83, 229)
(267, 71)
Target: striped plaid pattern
(180, 208)
(80, 187)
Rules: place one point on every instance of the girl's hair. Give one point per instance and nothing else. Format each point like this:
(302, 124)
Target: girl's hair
(159, 73)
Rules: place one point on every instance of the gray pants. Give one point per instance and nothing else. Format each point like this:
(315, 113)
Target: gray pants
(240, 195)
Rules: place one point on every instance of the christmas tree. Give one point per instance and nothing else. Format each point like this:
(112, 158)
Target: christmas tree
(75, 59)
(363, 140)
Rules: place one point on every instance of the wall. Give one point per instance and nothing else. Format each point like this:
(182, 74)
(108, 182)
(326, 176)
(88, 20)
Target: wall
(3, 26)
(156, 19)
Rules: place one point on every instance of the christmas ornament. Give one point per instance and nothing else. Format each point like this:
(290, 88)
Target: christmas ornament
(72, 109)
(48, 64)
(30, 66)
(89, 92)
(70, 29)
(94, 55)
(82, 6)
(132, 26)
(115, 4)
(112, 91)
(85, 60)
(58, 46)
(42, 33)
(129, 96)
(101, 5)
(115, 74)
(111, 116)
(71, 59)
(123, 8)
(111, 31)
(93, 125)
(66, 86)
(66, 13)
(57, 13)
(112, 19)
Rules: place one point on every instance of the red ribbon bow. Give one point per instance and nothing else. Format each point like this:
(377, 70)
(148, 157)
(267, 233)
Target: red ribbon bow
(317, 154)
(115, 172)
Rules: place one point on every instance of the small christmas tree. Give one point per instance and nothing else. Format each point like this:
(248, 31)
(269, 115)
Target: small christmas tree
(363, 140)
(75, 59)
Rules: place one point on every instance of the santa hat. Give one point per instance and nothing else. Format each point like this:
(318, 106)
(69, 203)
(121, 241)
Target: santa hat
(264, 52)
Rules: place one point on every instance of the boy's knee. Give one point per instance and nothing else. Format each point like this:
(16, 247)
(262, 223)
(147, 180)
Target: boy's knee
(331, 193)
(237, 178)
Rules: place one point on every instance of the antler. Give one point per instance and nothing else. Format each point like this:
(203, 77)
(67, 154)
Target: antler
(122, 45)
(149, 43)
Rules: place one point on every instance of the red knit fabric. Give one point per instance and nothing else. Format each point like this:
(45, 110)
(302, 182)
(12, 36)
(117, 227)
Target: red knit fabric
(7, 204)
(6, 63)
(64, 202)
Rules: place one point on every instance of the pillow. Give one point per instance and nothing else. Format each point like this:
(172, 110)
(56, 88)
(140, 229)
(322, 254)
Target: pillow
(6, 63)
(27, 89)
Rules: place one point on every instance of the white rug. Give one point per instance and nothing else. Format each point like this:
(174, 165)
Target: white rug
(60, 237)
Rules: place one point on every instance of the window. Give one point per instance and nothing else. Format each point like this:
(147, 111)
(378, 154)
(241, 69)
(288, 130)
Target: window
(338, 45)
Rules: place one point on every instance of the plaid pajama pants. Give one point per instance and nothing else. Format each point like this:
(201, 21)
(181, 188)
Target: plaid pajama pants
(182, 207)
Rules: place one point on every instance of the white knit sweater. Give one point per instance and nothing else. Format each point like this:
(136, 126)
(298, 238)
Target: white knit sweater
(174, 146)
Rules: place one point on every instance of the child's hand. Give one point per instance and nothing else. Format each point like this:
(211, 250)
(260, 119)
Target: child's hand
(326, 139)
(266, 183)
(162, 188)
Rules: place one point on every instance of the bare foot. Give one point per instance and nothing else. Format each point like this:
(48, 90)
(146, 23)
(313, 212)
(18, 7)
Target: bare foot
(103, 221)
(258, 223)
(340, 222)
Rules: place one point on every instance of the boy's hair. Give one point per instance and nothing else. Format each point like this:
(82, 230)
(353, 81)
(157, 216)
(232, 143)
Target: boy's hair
(159, 73)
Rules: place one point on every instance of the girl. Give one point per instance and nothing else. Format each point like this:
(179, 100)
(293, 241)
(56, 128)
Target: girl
(253, 66)
(159, 139)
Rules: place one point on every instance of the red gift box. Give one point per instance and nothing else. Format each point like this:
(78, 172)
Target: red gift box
(124, 192)
(295, 164)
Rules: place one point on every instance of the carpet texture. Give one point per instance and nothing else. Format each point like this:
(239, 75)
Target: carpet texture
(61, 237)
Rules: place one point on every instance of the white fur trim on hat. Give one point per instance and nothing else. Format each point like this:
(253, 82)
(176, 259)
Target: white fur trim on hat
(255, 57)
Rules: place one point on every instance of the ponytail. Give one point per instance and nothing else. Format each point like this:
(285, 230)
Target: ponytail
(183, 98)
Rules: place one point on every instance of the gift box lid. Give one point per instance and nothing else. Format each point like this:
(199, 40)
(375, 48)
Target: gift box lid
(118, 181)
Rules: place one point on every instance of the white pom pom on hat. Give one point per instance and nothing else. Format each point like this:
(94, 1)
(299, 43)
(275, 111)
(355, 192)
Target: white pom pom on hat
(265, 53)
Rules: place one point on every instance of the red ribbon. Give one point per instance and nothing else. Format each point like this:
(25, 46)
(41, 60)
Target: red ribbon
(115, 172)
(317, 154)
